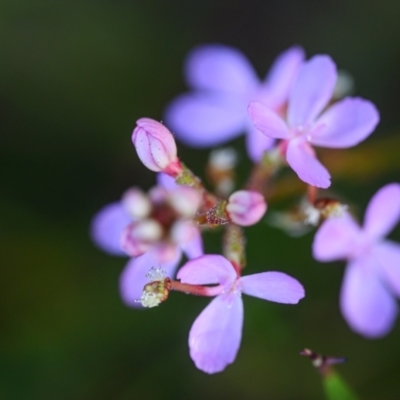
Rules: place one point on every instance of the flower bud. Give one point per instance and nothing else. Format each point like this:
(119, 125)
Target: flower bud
(140, 236)
(156, 147)
(185, 201)
(136, 203)
(246, 207)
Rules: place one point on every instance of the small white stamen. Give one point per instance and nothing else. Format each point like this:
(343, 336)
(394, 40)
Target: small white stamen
(311, 215)
(156, 274)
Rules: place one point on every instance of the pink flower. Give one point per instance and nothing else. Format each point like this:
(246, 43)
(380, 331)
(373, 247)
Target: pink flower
(156, 147)
(214, 338)
(372, 276)
(154, 229)
(344, 124)
(224, 83)
(246, 207)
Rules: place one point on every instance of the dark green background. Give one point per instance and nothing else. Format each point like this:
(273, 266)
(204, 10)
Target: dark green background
(74, 77)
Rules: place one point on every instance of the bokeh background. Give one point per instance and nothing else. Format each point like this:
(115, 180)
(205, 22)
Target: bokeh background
(74, 77)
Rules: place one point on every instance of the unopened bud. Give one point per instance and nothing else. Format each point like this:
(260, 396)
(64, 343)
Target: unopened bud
(139, 236)
(156, 147)
(185, 201)
(246, 207)
(157, 290)
(136, 203)
(220, 169)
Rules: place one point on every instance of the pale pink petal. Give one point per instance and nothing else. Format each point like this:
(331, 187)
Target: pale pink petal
(206, 119)
(312, 90)
(273, 286)
(220, 68)
(133, 277)
(207, 269)
(366, 304)
(282, 74)
(337, 238)
(306, 165)
(268, 121)
(383, 211)
(346, 123)
(107, 226)
(257, 143)
(215, 336)
(387, 256)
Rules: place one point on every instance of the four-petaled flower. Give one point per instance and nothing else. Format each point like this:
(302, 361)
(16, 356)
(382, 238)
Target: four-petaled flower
(224, 83)
(214, 338)
(344, 124)
(372, 277)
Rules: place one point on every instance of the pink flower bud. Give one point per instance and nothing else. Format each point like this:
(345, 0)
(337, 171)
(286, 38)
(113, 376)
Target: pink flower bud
(136, 203)
(156, 147)
(185, 201)
(140, 236)
(246, 207)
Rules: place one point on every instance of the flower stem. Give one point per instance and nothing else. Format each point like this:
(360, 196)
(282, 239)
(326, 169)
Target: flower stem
(197, 290)
(234, 247)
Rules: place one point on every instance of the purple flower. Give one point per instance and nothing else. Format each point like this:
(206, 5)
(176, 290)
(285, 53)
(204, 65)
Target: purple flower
(214, 338)
(154, 229)
(224, 83)
(372, 276)
(344, 124)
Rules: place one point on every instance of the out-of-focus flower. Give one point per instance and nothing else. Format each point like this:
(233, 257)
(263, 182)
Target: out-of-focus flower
(344, 124)
(224, 83)
(215, 336)
(156, 147)
(372, 276)
(154, 229)
(246, 207)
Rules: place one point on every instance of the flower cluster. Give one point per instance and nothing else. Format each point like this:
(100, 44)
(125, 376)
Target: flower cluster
(295, 108)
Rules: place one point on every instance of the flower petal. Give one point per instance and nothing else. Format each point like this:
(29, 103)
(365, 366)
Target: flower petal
(194, 247)
(366, 304)
(387, 255)
(312, 90)
(282, 74)
(207, 269)
(133, 277)
(268, 121)
(346, 123)
(336, 239)
(206, 119)
(299, 156)
(273, 286)
(166, 181)
(215, 336)
(107, 226)
(220, 68)
(383, 211)
(257, 143)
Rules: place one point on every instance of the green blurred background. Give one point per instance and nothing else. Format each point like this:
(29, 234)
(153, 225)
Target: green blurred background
(74, 77)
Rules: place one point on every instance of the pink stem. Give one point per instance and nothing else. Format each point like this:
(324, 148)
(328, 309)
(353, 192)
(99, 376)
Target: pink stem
(197, 290)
